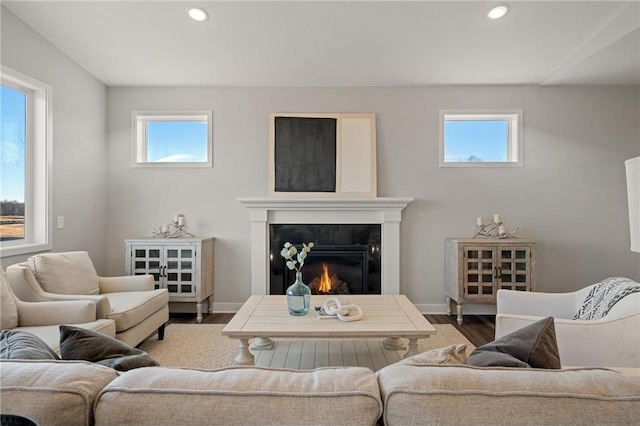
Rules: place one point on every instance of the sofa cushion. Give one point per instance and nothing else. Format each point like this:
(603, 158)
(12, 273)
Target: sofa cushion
(130, 308)
(466, 395)
(531, 346)
(241, 395)
(454, 354)
(16, 344)
(8, 308)
(53, 392)
(604, 295)
(50, 334)
(81, 344)
(65, 273)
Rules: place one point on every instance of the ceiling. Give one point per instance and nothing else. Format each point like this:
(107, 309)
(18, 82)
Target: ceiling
(343, 43)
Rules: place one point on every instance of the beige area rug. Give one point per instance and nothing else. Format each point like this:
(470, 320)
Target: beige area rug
(202, 345)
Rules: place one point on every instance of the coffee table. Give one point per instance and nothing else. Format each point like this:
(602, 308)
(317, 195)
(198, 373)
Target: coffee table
(386, 316)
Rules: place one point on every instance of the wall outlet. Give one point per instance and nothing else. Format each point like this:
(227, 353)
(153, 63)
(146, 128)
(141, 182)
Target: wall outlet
(60, 222)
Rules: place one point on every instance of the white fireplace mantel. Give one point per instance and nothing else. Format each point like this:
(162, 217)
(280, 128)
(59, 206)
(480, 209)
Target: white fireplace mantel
(385, 211)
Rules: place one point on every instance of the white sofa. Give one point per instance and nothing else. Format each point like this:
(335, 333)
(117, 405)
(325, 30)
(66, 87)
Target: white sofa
(73, 393)
(612, 341)
(137, 308)
(44, 318)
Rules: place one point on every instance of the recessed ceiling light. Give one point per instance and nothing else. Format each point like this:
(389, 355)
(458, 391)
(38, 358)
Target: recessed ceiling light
(498, 11)
(197, 14)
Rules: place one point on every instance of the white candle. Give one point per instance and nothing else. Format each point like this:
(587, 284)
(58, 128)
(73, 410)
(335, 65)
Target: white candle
(502, 229)
(175, 218)
(496, 218)
(165, 228)
(479, 221)
(181, 220)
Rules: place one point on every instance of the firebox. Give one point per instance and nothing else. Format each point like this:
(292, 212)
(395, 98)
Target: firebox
(345, 258)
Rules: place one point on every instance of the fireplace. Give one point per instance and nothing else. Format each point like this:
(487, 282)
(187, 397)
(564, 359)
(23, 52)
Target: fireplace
(345, 259)
(384, 212)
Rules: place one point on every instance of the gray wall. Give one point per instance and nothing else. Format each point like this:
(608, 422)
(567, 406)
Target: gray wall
(79, 139)
(570, 195)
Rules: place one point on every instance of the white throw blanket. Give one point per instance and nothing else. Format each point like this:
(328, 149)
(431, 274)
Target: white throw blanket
(604, 295)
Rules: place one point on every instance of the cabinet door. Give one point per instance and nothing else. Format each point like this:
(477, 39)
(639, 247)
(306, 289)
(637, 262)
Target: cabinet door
(180, 275)
(479, 272)
(147, 260)
(515, 268)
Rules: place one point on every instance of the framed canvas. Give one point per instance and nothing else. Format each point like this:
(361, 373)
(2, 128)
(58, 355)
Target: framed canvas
(322, 155)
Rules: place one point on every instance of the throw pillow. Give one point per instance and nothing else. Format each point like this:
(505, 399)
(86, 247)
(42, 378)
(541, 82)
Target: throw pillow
(532, 346)
(16, 344)
(82, 344)
(454, 354)
(65, 273)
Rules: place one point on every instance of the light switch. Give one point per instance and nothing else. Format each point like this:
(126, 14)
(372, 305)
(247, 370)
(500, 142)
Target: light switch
(60, 222)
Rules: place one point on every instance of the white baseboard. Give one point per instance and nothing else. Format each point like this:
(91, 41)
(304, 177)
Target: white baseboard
(226, 308)
(469, 309)
(435, 309)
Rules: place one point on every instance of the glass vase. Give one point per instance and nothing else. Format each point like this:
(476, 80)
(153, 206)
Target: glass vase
(298, 297)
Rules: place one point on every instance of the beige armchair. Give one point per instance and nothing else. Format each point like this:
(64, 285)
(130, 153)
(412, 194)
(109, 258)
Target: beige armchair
(44, 318)
(610, 341)
(137, 308)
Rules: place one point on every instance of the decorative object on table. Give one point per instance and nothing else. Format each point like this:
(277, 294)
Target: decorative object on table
(178, 223)
(333, 308)
(298, 294)
(497, 229)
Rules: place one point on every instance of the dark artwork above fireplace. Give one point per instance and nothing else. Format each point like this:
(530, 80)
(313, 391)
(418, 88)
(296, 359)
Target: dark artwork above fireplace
(344, 260)
(305, 154)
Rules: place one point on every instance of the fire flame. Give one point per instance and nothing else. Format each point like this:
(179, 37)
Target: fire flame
(325, 282)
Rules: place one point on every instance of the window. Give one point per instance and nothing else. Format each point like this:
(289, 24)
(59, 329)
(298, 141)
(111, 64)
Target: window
(481, 138)
(25, 164)
(172, 139)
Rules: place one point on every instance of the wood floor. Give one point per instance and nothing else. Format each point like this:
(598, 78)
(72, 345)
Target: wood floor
(478, 329)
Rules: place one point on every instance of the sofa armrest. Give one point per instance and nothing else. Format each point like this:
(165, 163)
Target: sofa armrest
(102, 304)
(607, 342)
(508, 323)
(52, 313)
(557, 305)
(125, 283)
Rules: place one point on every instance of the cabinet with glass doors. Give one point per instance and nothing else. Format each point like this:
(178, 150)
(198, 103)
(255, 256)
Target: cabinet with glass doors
(475, 269)
(184, 266)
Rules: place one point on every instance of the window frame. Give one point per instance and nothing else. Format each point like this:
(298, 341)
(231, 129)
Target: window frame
(139, 120)
(515, 139)
(38, 164)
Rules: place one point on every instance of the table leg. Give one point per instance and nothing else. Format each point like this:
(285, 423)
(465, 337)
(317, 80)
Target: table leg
(199, 312)
(413, 348)
(262, 344)
(244, 357)
(394, 344)
(459, 311)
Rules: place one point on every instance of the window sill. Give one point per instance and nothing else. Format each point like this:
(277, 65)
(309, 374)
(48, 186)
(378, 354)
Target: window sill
(23, 249)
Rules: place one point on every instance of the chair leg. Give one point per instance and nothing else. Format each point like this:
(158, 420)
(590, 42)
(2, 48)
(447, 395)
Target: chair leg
(161, 332)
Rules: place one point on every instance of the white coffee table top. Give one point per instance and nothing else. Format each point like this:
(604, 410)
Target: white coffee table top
(383, 316)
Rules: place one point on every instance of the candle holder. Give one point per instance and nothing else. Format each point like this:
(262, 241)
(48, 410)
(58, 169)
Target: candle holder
(165, 230)
(495, 230)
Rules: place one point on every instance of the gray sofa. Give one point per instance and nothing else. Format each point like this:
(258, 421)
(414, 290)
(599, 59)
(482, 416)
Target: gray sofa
(79, 393)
